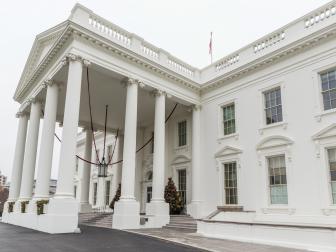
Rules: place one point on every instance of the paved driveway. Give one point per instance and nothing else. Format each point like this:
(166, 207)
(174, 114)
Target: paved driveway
(17, 239)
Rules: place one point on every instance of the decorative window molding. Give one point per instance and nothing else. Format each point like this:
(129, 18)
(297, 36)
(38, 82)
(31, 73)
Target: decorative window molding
(227, 154)
(324, 140)
(268, 147)
(220, 120)
(227, 151)
(317, 85)
(180, 159)
(264, 126)
(274, 141)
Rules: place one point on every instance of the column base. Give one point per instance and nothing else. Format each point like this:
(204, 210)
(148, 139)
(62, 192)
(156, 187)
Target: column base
(59, 216)
(126, 215)
(194, 209)
(157, 213)
(85, 208)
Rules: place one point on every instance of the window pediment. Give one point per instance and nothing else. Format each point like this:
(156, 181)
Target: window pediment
(180, 160)
(327, 132)
(274, 141)
(227, 151)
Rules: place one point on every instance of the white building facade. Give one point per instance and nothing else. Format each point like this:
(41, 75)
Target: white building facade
(251, 143)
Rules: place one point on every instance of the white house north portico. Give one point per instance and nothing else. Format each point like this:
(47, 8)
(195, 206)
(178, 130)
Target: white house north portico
(250, 140)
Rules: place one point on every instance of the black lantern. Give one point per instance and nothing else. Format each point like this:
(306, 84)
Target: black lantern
(102, 169)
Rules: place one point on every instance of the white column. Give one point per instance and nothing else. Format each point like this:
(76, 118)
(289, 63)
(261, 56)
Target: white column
(15, 184)
(86, 173)
(158, 207)
(47, 142)
(159, 148)
(127, 210)
(194, 209)
(29, 160)
(128, 175)
(67, 162)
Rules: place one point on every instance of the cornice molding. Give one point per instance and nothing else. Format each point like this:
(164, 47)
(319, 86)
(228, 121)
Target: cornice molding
(73, 30)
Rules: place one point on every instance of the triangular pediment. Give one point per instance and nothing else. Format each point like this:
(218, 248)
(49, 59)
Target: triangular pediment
(43, 43)
(227, 151)
(274, 141)
(327, 132)
(180, 159)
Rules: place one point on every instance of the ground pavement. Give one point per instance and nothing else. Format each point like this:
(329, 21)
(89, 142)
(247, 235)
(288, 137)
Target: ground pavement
(18, 239)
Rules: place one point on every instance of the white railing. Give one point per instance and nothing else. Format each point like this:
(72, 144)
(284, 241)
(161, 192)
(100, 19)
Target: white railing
(320, 16)
(109, 29)
(228, 61)
(149, 51)
(295, 31)
(180, 67)
(270, 41)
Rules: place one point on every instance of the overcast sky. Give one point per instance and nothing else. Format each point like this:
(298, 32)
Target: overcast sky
(181, 27)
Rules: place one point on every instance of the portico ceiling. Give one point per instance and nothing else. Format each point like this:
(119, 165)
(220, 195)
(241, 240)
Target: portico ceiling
(107, 88)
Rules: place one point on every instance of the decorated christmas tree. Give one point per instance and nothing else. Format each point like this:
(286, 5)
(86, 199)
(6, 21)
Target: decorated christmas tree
(116, 197)
(173, 197)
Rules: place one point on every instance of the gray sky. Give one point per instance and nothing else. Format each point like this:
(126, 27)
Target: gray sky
(181, 27)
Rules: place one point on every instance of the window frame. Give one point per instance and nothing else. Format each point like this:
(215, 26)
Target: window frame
(268, 179)
(225, 188)
(267, 90)
(220, 123)
(328, 90)
(223, 119)
(185, 135)
(107, 192)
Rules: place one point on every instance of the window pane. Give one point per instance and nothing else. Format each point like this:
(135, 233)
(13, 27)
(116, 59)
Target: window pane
(182, 133)
(328, 82)
(273, 108)
(230, 183)
(277, 180)
(229, 122)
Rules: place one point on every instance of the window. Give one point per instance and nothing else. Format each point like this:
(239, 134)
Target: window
(328, 81)
(95, 193)
(277, 180)
(230, 183)
(75, 192)
(107, 192)
(152, 143)
(97, 154)
(182, 133)
(182, 185)
(273, 106)
(76, 164)
(149, 194)
(229, 121)
(109, 152)
(332, 168)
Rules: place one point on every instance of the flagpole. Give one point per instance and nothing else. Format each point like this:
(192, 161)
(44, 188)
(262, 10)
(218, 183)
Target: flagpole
(210, 47)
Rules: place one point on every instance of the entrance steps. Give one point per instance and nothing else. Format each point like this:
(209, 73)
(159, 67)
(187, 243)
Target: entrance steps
(96, 219)
(183, 223)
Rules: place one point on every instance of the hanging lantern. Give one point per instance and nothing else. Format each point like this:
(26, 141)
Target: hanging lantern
(102, 169)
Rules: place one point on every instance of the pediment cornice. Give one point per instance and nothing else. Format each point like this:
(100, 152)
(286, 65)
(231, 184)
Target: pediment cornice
(327, 132)
(70, 30)
(227, 151)
(274, 141)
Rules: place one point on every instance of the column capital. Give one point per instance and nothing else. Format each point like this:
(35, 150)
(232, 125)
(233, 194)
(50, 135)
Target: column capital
(74, 57)
(50, 82)
(158, 92)
(34, 100)
(132, 81)
(21, 113)
(196, 107)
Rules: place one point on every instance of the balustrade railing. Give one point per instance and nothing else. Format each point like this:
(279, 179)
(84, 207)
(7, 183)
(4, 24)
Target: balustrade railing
(290, 33)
